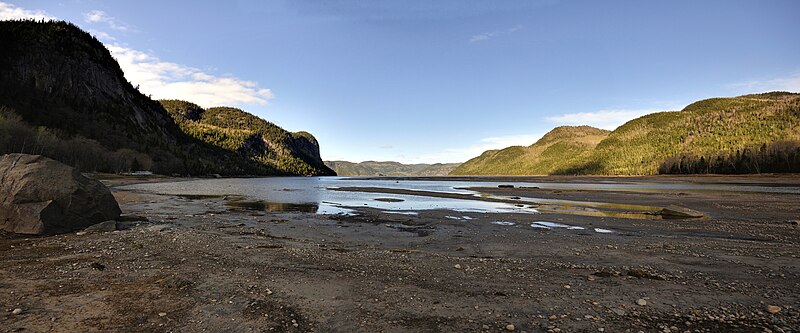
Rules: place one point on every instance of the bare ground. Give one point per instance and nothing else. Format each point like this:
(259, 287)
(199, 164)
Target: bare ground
(197, 265)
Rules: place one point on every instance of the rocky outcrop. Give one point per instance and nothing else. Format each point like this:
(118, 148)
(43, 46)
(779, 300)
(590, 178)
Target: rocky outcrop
(41, 196)
(678, 212)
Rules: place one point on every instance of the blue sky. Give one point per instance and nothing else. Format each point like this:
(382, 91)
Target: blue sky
(441, 81)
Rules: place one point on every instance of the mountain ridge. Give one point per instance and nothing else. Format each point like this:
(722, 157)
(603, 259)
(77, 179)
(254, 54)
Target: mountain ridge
(390, 168)
(63, 95)
(719, 128)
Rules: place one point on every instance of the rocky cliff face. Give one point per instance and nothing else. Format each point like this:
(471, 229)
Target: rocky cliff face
(55, 76)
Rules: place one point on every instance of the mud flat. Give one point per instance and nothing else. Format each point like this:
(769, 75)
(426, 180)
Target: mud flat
(583, 259)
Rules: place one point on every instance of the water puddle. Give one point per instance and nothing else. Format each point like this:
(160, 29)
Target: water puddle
(505, 223)
(400, 212)
(546, 225)
(551, 225)
(326, 208)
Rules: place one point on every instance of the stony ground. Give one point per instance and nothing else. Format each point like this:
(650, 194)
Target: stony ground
(197, 265)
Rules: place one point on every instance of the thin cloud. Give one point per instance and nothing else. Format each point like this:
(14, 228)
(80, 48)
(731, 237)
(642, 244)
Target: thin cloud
(605, 119)
(165, 79)
(462, 154)
(99, 16)
(12, 12)
(789, 83)
(484, 36)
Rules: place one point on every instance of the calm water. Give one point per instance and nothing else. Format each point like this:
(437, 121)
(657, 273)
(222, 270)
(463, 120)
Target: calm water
(318, 194)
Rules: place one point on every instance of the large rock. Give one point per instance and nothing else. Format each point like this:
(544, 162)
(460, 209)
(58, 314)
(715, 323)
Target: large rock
(42, 196)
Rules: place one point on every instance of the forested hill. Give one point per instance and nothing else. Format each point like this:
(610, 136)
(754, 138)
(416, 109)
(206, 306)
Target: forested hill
(234, 130)
(63, 95)
(745, 134)
(388, 168)
(562, 147)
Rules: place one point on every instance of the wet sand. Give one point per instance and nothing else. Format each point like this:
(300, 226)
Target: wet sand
(201, 264)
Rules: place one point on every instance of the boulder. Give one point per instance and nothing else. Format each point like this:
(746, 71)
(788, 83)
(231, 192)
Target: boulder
(678, 212)
(41, 196)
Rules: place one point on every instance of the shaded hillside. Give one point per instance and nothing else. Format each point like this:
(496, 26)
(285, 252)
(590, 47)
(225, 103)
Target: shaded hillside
(560, 148)
(234, 130)
(717, 127)
(394, 169)
(63, 95)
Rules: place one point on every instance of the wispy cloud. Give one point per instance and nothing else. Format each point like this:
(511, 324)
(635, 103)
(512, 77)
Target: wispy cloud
(12, 12)
(789, 83)
(462, 154)
(484, 36)
(165, 79)
(99, 16)
(606, 119)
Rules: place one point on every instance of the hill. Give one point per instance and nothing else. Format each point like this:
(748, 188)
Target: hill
(63, 95)
(560, 148)
(394, 169)
(719, 129)
(234, 130)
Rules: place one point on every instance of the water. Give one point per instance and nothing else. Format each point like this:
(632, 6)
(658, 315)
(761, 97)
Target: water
(319, 195)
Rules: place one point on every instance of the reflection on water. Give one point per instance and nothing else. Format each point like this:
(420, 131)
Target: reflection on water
(272, 206)
(316, 194)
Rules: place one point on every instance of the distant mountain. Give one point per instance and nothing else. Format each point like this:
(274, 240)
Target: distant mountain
(63, 95)
(561, 147)
(395, 169)
(750, 133)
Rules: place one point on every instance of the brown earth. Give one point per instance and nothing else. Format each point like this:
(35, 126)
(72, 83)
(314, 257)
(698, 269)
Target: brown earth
(198, 265)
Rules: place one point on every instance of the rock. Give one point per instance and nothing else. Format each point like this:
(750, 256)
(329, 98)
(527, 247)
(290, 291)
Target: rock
(510, 327)
(98, 266)
(641, 302)
(159, 227)
(678, 212)
(162, 314)
(16, 311)
(39, 195)
(106, 226)
(457, 266)
(505, 186)
(774, 309)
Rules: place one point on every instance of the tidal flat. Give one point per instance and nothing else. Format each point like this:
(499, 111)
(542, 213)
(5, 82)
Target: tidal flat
(469, 254)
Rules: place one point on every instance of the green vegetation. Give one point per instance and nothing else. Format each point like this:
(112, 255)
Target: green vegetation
(261, 141)
(776, 157)
(394, 169)
(560, 148)
(63, 95)
(710, 128)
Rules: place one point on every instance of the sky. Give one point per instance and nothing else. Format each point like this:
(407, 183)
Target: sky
(441, 81)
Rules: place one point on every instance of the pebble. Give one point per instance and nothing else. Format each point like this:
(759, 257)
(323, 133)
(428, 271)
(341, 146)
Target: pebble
(773, 309)
(162, 314)
(457, 266)
(641, 302)
(16, 311)
(510, 327)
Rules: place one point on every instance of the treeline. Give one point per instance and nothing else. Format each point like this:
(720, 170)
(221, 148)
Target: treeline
(776, 157)
(16, 136)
